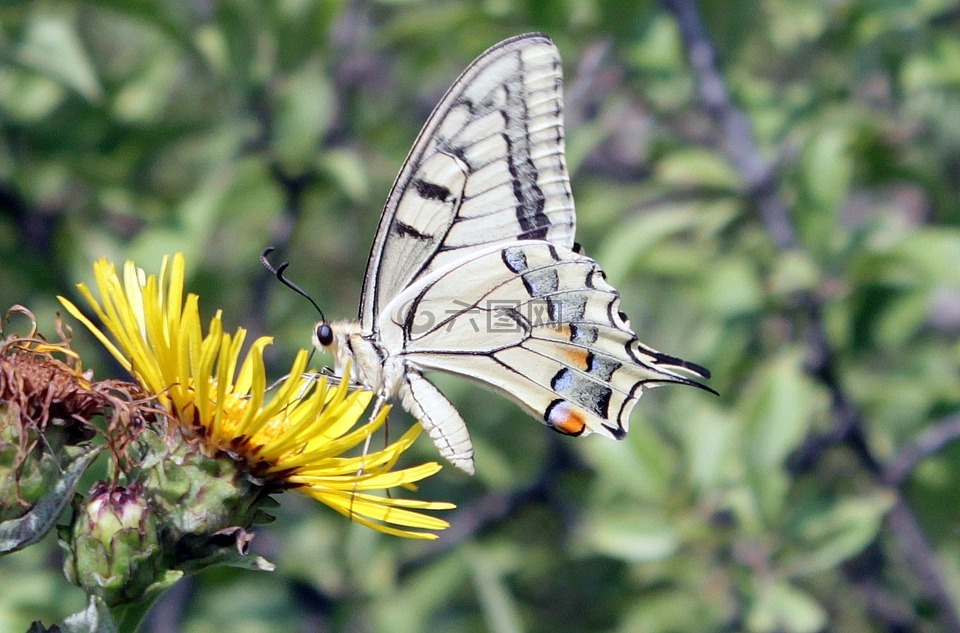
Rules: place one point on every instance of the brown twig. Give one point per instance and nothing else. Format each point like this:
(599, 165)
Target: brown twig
(738, 143)
(736, 135)
(929, 442)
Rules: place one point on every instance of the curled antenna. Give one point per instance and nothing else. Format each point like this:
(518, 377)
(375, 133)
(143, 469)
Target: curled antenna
(278, 271)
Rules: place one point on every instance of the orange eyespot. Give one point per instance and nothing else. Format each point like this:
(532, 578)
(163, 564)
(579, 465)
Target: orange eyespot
(324, 334)
(562, 417)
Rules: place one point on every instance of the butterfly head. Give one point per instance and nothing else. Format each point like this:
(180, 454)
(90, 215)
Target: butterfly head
(335, 339)
(322, 335)
(346, 343)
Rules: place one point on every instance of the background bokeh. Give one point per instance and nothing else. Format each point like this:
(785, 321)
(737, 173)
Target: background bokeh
(785, 212)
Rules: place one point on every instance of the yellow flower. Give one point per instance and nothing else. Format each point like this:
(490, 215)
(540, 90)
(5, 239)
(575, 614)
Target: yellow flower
(294, 436)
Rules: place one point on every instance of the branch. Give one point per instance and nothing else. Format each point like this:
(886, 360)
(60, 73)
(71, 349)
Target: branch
(742, 150)
(929, 442)
(737, 136)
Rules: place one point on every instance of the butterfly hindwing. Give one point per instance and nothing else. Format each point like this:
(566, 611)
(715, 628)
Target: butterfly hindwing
(488, 167)
(541, 325)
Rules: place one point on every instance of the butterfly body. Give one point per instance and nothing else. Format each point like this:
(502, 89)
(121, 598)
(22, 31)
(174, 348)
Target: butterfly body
(474, 270)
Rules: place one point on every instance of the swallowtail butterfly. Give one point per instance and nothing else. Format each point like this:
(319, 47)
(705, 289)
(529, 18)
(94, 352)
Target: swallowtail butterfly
(474, 269)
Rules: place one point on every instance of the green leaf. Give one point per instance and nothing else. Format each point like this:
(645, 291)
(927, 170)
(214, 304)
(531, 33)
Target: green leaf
(52, 47)
(130, 616)
(345, 167)
(825, 537)
(640, 467)
(669, 610)
(932, 254)
(408, 609)
(827, 168)
(827, 171)
(304, 109)
(633, 537)
(698, 167)
(733, 287)
(783, 607)
(633, 237)
(500, 610)
(777, 410)
(793, 271)
(28, 97)
(708, 438)
(34, 525)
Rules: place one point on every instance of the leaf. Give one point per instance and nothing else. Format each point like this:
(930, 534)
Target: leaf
(827, 171)
(670, 610)
(932, 254)
(783, 607)
(631, 537)
(52, 47)
(698, 167)
(633, 237)
(34, 525)
(733, 287)
(96, 618)
(305, 107)
(640, 467)
(499, 608)
(228, 557)
(708, 438)
(129, 616)
(777, 412)
(409, 608)
(793, 271)
(825, 537)
(827, 168)
(345, 167)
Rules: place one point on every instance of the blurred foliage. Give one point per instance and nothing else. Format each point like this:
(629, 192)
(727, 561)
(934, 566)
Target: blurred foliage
(137, 128)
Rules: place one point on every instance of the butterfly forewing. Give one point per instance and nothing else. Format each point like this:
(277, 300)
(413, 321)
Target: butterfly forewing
(487, 168)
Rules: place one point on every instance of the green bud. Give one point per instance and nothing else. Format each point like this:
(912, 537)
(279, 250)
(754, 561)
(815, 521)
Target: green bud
(198, 496)
(113, 549)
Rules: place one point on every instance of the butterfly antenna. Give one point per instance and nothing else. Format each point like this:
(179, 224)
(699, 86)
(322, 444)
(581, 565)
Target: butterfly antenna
(279, 272)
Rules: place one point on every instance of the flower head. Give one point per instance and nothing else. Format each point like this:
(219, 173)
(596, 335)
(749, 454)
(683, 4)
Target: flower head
(294, 436)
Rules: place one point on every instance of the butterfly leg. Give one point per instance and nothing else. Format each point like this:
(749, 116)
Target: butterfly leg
(440, 419)
(377, 407)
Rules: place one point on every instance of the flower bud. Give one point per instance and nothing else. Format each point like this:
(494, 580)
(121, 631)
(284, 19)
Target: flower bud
(198, 495)
(113, 548)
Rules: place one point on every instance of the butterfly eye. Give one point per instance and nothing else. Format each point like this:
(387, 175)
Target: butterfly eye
(324, 334)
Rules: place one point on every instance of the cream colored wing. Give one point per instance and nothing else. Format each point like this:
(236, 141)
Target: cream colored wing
(488, 167)
(538, 323)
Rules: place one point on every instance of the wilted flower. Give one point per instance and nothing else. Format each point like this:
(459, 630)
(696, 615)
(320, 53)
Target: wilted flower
(295, 436)
(47, 419)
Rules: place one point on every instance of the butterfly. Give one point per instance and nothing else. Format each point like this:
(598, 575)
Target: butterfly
(474, 270)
